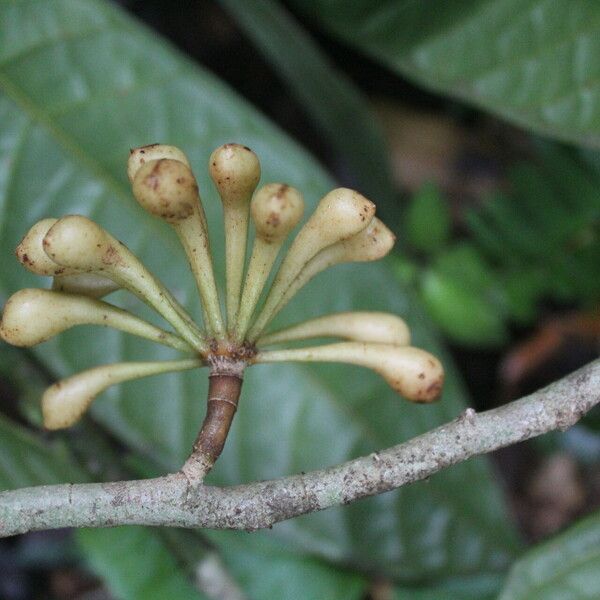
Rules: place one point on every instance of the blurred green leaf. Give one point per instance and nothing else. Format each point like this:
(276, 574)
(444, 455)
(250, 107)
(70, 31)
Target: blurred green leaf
(26, 460)
(463, 312)
(567, 567)
(546, 230)
(427, 220)
(472, 588)
(464, 262)
(405, 269)
(532, 62)
(329, 97)
(267, 570)
(135, 563)
(550, 214)
(523, 289)
(25, 383)
(81, 84)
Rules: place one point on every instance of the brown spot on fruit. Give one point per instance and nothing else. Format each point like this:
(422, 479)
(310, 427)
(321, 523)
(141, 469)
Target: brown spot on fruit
(281, 190)
(111, 256)
(273, 219)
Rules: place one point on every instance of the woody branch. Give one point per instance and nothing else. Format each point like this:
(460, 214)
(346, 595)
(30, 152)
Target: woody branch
(172, 500)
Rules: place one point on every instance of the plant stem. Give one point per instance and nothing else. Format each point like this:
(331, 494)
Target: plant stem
(236, 233)
(224, 388)
(261, 261)
(193, 235)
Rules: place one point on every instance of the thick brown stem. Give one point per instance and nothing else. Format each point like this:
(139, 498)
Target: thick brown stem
(223, 395)
(224, 387)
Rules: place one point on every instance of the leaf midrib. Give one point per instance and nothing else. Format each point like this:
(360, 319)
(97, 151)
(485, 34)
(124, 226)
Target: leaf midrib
(67, 142)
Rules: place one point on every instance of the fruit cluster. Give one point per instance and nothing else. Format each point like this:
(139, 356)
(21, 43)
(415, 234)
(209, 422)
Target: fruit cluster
(87, 263)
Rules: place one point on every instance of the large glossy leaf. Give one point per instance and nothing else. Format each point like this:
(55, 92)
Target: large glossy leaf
(81, 84)
(565, 568)
(135, 563)
(533, 62)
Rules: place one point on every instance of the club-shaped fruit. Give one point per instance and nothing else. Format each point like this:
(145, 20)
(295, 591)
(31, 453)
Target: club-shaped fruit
(235, 171)
(412, 372)
(276, 209)
(379, 327)
(339, 215)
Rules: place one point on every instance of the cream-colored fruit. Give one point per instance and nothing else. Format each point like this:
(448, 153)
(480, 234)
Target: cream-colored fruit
(412, 372)
(167, 189)
(378, 327)
(140, 156)
(64, 403)
(235, 171)
(339, 215)
(76, 241)
(276, 209)
(372, 243)
(32, 316)
(31, 255)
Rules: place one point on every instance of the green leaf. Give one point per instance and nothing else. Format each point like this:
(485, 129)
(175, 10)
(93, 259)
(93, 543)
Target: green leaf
(523, 290)
(82, 84)
(266, 570)
(472, 588)
(328, 96)
(464, 262)
(25, 383)
(566, 567)
(532, 62)
(25, 460)
(135, 563)
(428, 220)
(463, 312)
(542, 238)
